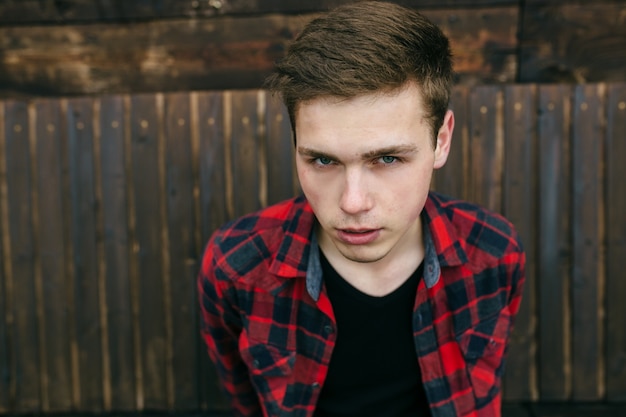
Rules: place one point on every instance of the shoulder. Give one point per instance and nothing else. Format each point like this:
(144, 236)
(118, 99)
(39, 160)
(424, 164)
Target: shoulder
(251, 241)
(477, 228)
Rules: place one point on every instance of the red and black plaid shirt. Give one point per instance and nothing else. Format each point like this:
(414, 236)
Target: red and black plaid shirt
(270, 328)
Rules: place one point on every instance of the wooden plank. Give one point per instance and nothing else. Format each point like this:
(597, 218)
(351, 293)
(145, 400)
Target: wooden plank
(52, 245)
(588, 236)
(183, 250)
(573, 42)
(23, 337)
(68, 11)
(520, 207)
(85, 263)
(224, 53)
(146, 154)
(244, 150)
(279, 146)
(616, 243)
(554, 257)
(486, 147)
(451, 178)
(6, 274)
(116, 252)
(209, 140)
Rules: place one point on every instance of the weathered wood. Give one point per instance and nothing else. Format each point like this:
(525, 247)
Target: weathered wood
(175, 55)
(587, 240)
(554, 257)
(573, 43)
(113, 156)
(451, 178)
(180, 174)
(25, 388)
(57, 382)
(279, 152)
(85, 264)
(246, 153)
(71, 11)
(486, 147)
(6, 274)
(148, 217)
(520, 207)
(616, 244)
(213, 212)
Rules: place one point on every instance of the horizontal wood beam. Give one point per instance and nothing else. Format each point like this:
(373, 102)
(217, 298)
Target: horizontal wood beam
(73, 11)
(220, 53)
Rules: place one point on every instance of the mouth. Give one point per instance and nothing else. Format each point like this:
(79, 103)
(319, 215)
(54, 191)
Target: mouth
(358, 236)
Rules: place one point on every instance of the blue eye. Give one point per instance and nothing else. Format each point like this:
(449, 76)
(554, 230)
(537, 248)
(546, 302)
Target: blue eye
(388, 159)
(322, 160)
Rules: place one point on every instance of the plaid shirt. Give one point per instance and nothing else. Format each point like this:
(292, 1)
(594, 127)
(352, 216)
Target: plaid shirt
(270, 328)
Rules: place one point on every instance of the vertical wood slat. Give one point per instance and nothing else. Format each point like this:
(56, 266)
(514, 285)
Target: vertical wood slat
(244, 151)
(116, 260)
(554, 257)
(486, 147)
(587, 238)
(212, 159)
(520, 207)
(84, 237)
(616, 243)
(451, 178)
(281, 183)
(183, 249)
(57, 383)
(5, 273)
(23, 352)
(147, 197)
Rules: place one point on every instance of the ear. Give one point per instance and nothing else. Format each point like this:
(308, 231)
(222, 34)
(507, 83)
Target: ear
(444, 139)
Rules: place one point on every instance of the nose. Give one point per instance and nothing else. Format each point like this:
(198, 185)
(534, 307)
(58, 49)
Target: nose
(356, 196)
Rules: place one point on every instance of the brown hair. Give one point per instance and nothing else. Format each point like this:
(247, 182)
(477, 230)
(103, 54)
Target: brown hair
(365, 47)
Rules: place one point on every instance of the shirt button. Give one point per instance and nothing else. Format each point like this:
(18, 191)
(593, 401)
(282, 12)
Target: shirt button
(315, 385)
(328, 329)
(419, 319)
(256, 363)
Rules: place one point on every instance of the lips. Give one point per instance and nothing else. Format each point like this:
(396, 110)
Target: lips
(358, 236)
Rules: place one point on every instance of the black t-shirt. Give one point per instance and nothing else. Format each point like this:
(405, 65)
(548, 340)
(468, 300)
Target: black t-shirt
(374, 369)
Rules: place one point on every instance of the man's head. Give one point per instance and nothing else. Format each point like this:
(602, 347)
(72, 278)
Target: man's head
(364, 48)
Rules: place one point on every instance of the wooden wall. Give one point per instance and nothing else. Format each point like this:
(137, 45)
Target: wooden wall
(78, 47)
(106, 203)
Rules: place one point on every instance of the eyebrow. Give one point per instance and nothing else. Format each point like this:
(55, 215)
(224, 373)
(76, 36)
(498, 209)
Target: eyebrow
(389, 150)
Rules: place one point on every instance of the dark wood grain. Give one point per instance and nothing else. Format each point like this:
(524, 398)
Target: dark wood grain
(587, 237)
(213, 213)
(53, 241)
(245, 146)
(616, 243)
(5, 273)
(23, 340)
(486, 147)
(451, 178)
(229, 52)
(116, 252)
(520, 206)
(83, 206)
(146, 151)
(279, 152)
(183, 249)
(573, 43)
(554, 258)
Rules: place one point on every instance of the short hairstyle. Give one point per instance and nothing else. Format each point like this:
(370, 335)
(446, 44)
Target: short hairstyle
(363, 48)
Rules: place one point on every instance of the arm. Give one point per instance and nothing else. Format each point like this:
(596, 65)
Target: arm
(220, 328)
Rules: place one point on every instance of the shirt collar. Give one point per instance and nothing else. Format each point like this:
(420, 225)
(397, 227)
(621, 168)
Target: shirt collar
(298, 255)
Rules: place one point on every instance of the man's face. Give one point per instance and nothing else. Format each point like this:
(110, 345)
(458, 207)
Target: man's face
(365, 166)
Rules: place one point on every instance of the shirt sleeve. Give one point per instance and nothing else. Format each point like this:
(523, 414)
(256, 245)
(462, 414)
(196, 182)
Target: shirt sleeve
(220, 328)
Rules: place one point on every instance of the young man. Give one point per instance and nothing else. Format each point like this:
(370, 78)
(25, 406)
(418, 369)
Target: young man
(367, 296)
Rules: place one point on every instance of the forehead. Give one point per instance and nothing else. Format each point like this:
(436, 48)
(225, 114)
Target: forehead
(382, 116)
